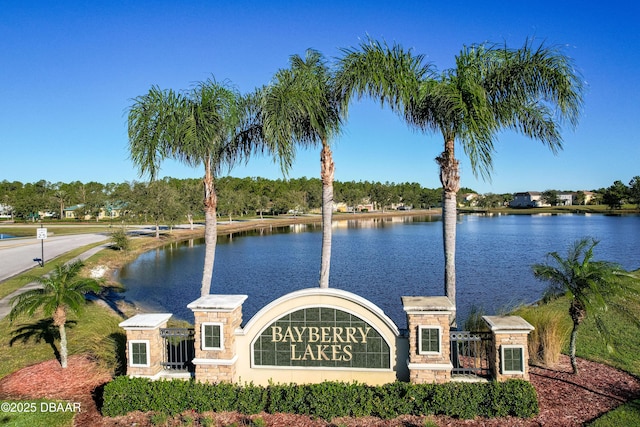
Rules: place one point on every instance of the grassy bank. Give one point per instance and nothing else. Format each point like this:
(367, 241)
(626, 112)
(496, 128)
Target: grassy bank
(28, 341)
(574, 209)
(622, 345)
(619, 349)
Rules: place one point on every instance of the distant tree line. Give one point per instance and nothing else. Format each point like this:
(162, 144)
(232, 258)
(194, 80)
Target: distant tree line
(619, 194)
(172, 201)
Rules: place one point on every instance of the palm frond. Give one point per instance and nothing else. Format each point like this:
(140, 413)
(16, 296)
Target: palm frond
(578, 275)
(151, 121)
(389, 74)
(300, 106)
(62, 288)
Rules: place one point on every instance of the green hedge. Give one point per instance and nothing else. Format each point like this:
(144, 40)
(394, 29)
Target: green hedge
(326, 400)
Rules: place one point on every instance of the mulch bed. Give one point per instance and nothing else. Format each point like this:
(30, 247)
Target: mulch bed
(48, 380)
(565, 400)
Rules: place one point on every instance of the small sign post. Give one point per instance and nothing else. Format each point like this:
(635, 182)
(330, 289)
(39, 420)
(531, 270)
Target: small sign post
(41, 234)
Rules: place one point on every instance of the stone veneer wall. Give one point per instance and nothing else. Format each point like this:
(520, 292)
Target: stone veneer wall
(217, 365)
(146, 327)
(221, 368)
(429, 312)
(508, 331)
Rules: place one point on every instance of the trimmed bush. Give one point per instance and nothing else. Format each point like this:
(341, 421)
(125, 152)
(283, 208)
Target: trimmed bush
(120, 240)
(326, 400)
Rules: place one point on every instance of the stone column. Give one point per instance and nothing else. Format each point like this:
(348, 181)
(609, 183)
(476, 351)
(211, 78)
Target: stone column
(429, 346)
(223, 313)
(509, 357)
(143, 336)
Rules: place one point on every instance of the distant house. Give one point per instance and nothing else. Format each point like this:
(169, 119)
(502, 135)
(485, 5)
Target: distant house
(528, 199)
(109, 212)
(70, 211)
(340, 207)
(589, 196)
(5, 211)
(565, 199)
(469, 199)
(364, 205)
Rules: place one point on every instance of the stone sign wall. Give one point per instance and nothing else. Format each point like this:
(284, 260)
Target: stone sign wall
(316, 335)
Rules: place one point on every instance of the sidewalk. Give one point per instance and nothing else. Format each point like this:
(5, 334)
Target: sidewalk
(5, 306)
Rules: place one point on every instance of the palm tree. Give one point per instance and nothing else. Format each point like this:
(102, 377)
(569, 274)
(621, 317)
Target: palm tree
(583, 280)
(61, 197)
(61, 292)
(301, 107)
(212, 126)
(531, 90)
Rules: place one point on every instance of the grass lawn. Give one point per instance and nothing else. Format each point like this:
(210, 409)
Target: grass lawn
(96, 331)
(28, 341)
(53, 229)
(31, 413)
(625, 415)
(14, 283)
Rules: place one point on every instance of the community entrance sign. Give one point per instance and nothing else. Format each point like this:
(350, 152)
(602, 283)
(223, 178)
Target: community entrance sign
(321, 337)
(314, 335)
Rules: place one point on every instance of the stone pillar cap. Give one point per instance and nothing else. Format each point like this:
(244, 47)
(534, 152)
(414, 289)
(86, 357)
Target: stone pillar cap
(417, 304)
(217, 303)
(508, 323)
(145, 321)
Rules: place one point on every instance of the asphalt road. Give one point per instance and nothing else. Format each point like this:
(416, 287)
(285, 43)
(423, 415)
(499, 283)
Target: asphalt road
(17, 255)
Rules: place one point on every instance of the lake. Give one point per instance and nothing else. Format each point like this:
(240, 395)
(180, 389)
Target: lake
(380, 259)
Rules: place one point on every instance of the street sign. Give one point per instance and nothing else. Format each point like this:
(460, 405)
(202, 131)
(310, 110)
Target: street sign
(41, 233)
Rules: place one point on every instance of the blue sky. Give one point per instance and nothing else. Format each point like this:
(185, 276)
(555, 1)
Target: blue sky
(69, 70)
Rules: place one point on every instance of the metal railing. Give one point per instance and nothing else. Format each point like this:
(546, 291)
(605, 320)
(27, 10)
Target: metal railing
(179, 348)
(470, 353)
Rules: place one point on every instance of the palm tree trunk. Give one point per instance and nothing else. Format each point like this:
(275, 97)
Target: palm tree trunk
(327, 170)
(572, 348)
(578, 312)
(59, 319)
(450, 179)
(210, 232)
(63, 345)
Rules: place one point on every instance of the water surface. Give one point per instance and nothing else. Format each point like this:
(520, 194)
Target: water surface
(381, 260)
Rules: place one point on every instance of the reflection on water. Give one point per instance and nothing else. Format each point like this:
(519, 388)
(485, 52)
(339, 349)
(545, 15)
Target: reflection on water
(380, 259)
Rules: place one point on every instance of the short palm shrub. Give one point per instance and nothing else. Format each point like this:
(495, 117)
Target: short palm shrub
(587, 282)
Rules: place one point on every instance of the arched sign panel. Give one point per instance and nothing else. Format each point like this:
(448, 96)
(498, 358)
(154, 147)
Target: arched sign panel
(321, 336)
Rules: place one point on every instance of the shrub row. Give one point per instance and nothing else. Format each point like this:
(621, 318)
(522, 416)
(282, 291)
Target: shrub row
(325, 400)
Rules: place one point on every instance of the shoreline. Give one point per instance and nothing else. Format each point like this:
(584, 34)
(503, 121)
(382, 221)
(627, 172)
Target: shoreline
(257, 223)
